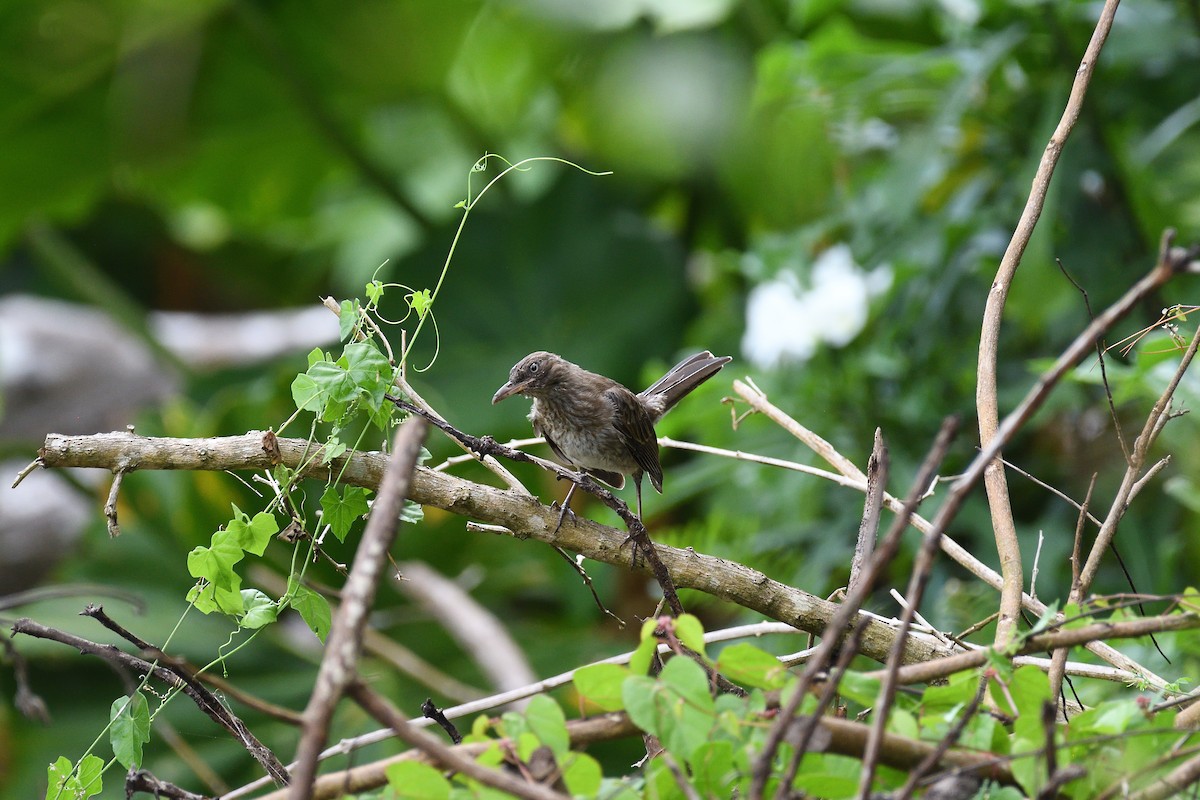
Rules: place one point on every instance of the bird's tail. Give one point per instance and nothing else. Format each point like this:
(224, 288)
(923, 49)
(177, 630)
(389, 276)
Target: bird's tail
(681, 379)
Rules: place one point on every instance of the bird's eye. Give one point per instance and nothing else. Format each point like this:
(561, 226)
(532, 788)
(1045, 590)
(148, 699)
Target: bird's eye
(533, 367)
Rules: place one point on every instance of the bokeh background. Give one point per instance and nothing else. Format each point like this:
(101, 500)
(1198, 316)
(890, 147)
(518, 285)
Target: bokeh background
(821, 189)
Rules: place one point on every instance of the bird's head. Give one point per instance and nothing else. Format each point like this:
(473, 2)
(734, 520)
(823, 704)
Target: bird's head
(533, 375)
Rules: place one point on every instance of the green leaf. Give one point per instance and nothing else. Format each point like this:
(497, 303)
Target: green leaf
(1030, 690)
(1044, 621)
(480, 726)
(259, 609)
(828, 776)
(748, 665)
(347, 319)
(413, 780)
(227, 601)
(91, 769)
(381, 417)
(130, 729)
(252, 535)
(959, 691)
(512, 726)
(340, 512)
(548, 724)
(64, 782)
(315, 355)
(374, 292)
(370, 372)
(639, 662)
(860, 688)
(313, 609)
(1075, 617)
(690, 632)
(677, 708)
(420, 302)
(306, 394)
(712, 769)
(1109, 718)
(582, 774)
(411, 512)
(903, 723)
(201, 596)
(526, 744)
(215, 563)
(334, 448)
(600, 684)
(333, 382)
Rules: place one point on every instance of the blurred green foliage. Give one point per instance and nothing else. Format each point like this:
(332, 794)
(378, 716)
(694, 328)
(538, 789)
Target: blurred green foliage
(230, 155)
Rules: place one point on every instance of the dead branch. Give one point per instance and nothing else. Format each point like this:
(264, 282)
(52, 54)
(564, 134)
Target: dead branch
(943, 667)
(339, 666)
(950, 547)
(442, 754)
(203, 699)
(522, 515)
(986, 395)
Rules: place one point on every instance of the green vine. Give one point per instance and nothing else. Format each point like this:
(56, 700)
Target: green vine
(344, 394)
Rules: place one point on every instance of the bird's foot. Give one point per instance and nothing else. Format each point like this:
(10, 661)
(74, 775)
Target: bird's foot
(637, 556)
(564, 510)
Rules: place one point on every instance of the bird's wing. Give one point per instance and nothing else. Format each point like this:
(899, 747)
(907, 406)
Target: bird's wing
(633, 422)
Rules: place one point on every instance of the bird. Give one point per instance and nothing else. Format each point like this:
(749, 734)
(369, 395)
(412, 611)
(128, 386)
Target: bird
(596, 425)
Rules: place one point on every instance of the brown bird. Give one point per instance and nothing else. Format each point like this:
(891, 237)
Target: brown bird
(595, 424)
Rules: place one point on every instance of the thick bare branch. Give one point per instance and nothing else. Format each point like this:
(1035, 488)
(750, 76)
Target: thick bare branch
(524, 516)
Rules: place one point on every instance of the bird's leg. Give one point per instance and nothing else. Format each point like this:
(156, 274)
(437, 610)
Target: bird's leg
(566, 507)
(637, 485)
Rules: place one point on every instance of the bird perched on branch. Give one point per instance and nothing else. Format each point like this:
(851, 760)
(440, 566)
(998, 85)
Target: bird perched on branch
(595, 424)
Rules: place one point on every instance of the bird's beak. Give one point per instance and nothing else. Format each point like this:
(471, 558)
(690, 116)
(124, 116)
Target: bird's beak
(508, 390)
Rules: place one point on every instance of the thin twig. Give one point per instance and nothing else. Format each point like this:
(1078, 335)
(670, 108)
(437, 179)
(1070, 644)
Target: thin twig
(949, 740)
(203, 699)
(30, 467)
(110, 505)
(799, 732)
(986, 393)
(953, 549)
(941, 667)
(855, 596)
(488, 461)
(868, 528)
(922, 571)
(1054, 491)
(1037, 557)
(1141, 446)
(143, 780)
(27, 701)
(383, 711)
(1058, 658)
(342, 648)
(1112, 406)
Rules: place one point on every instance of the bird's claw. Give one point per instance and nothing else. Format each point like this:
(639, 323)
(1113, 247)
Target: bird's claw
(637, 556)
(562, 514)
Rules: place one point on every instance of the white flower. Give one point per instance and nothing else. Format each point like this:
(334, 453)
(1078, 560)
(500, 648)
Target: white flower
(785, 321)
